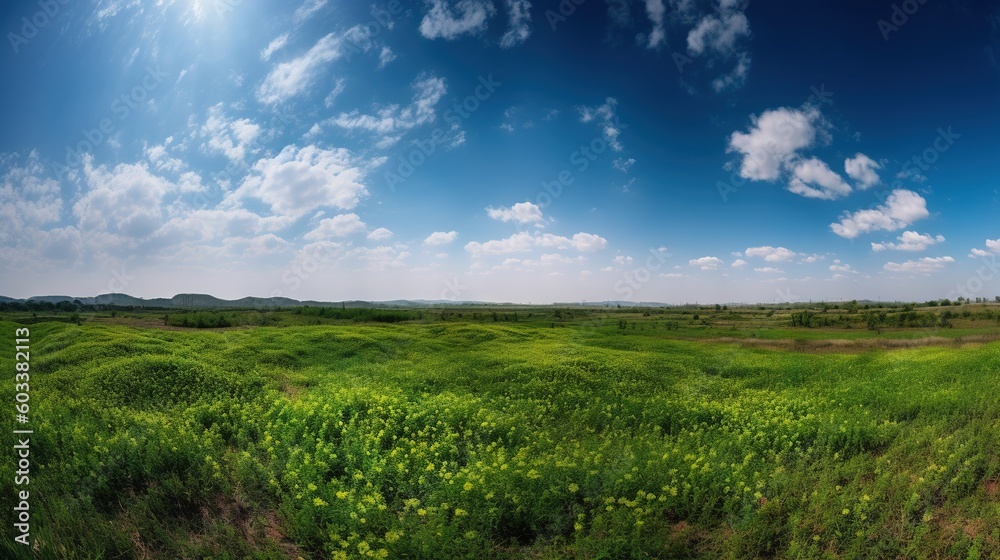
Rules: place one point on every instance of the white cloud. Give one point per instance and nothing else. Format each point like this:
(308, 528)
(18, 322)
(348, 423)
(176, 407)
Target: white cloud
(900, 209)
(446, 21)
(862, 169)
(517, 243)
(126, 200)
(334, 93)
(657, 36)
(606, 116)
(773, 141)
(978, 253)
(233, 138)
(274, 46)
(739, 263)
(337, 226)
(393, 119)
(707, 263)
(292, 78)
(522, 213)
(299, 180)
(385, 57)
(523, 242)
(814, 172)
(28, 200)
(520, 23)
(993, 245)
(583, 242)
(441, 238)
(673, 275)
(622, 260)
(623, 165)
(380, 234)
(837, 266)
(771, 254)
(718, 33)
(925, 265)
(910, 241)
(735, 78)
(768, 269)
(307, 9)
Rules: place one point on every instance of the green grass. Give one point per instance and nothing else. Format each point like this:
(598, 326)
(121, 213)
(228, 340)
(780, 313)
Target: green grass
(478, 439)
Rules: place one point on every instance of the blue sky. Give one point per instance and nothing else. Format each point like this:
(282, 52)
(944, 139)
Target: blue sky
(501, 150)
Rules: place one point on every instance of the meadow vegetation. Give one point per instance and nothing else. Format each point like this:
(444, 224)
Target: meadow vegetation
(512, 433)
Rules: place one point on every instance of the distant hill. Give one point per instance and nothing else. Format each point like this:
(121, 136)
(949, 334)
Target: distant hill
(205, 301)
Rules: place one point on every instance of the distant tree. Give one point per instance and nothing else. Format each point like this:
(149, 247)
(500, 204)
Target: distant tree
(997, 299)
(718, 308)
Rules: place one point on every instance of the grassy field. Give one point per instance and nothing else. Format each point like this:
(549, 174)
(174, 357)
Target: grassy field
(532, 433)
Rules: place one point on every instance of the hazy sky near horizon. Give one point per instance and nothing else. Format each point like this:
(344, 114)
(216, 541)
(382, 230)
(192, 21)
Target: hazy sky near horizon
(502, 150)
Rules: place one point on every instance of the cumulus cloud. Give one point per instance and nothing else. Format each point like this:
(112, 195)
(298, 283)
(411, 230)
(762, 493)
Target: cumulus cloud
(232, 137)
(925, 265)
(901, 208)
(739, 263)
(523, 242)
(707, 263)
(449, 20)
(520, 23)
(812, 178)
(769, 269)
(522, 213)
(299, 180)
(773, 141)
(125, 200)
(771, 254)
(28, 199)
(441, 238)
(863, 169)
(910, 241)
(584, 242)
(976, 253)
(337, 226)
(380, 234)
